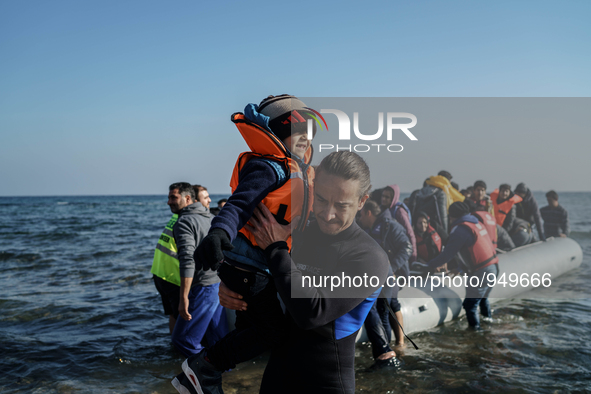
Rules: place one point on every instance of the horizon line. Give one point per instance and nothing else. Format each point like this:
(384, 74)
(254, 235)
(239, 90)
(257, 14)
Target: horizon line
(228, 194)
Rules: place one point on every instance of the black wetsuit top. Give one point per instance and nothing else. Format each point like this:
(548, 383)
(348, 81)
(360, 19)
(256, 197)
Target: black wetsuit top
(319, 355)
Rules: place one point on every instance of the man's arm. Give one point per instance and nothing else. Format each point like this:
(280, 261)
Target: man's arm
(398, 247)
(459, 237)
(257, 179)
(185, 238)
(538, 220)
(312, 307)
(565, 225)
(510, 219)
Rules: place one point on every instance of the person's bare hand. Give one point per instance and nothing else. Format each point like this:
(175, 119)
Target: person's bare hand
(230, 299)
(265, 228)
(184, 308)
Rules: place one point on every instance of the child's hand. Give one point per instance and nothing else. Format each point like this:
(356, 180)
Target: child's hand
(209, 254)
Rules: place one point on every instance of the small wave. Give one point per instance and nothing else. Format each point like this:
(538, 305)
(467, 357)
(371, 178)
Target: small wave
(19, 257)
(580, 234)
(55, 236)
(62, 203)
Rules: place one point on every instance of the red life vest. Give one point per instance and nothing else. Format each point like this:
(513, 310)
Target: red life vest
(489, 224)
(294, 197)
(482, 252)
(422, 250)
(502, 209)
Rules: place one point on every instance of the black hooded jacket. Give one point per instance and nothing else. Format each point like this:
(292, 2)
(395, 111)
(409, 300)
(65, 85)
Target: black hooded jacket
(528, 210)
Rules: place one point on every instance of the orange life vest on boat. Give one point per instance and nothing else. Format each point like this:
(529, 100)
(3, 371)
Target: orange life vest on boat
(489, 224)
(294, 197)
(502, 209)
(422, 250)
(482, 252)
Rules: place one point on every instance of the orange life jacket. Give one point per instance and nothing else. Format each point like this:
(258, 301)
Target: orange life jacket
(482, 252)
(489, 224)
(502, 209)
(294, 197)
(422, 250)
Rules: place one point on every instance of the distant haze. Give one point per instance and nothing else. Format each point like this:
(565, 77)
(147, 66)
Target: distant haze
(100, 98)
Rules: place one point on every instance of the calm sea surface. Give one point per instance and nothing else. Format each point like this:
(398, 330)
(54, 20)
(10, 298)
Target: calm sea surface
(79, 313)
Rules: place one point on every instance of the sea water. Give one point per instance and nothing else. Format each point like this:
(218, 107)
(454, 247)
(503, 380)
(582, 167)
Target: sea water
(79, 313)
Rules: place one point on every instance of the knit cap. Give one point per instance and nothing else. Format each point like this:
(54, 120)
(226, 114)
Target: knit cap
(458, 209)
(287, 115)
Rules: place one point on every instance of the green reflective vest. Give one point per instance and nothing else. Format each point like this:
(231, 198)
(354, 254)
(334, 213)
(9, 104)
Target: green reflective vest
(166, 262)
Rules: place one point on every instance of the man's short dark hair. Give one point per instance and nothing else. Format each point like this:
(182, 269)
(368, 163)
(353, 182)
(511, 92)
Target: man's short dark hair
(552, 195)
(504, 186)
(445, 174)
(479, 184)
(349, 166)
(184, 188)
(455, 185)
(198, 189)
(373, 207)
(222, 200)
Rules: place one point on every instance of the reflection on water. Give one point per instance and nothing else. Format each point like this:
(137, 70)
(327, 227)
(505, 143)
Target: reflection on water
(80, 314)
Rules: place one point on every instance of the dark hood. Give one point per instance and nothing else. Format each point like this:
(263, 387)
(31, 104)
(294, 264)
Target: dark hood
(522, 188)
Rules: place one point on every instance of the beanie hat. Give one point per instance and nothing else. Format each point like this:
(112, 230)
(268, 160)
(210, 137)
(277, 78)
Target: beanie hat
(287, 115)
(479, 184)
(458, 209)
(521, 188)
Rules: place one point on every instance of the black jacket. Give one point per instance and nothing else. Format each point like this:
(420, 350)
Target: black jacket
(528, 210)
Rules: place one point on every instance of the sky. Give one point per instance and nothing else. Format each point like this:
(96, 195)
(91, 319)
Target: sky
(105, 97)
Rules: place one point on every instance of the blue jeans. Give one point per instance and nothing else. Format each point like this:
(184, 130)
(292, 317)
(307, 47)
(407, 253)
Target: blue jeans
(208, 319)
(478, 295)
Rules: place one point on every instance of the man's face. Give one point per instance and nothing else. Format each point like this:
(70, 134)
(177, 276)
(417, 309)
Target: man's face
(522, 195)
(422, 225)
(387, 197)
(298, 144)
(553, 203)
(204, 199)
(336, 202)
(479, 193)
(176, 201)
(504, 194)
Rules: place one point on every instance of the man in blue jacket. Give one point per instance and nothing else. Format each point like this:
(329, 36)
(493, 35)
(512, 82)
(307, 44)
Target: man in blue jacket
(469, 238)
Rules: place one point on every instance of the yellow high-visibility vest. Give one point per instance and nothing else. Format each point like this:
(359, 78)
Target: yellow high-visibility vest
(166, 262)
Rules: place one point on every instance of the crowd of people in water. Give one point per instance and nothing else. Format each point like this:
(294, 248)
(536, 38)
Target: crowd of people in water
(250, 253)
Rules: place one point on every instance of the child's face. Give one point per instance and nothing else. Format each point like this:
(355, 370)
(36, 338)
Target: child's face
(298, 144)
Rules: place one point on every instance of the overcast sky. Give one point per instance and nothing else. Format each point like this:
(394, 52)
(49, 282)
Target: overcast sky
(127, 97)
